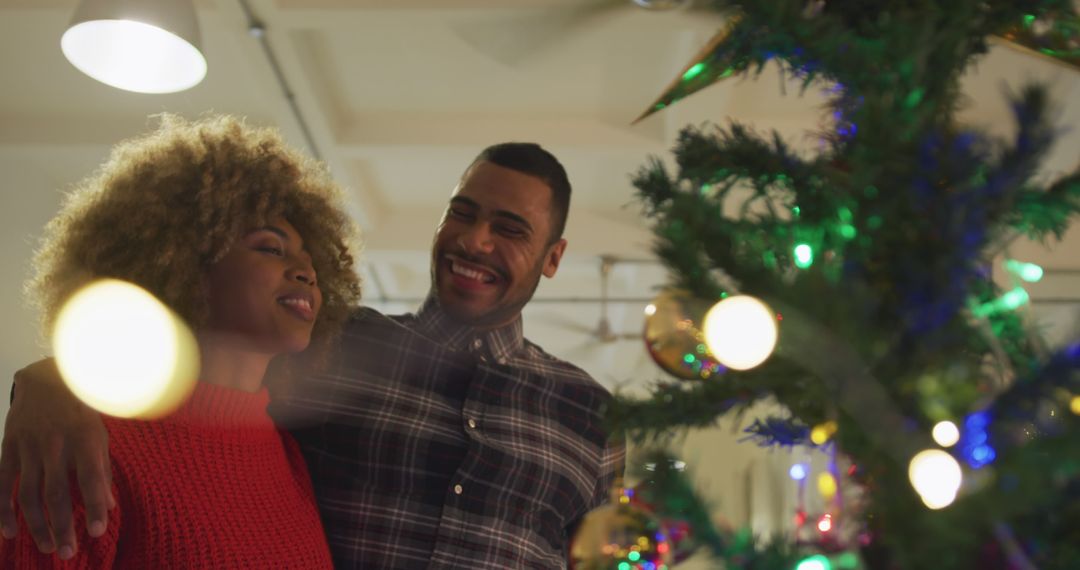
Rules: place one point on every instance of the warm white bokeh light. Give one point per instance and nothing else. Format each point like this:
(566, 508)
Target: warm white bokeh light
(122, 352)
(133, 56)
(798, 472)
(936, 476)
(946, 434)
(824, 524)
(740, 332)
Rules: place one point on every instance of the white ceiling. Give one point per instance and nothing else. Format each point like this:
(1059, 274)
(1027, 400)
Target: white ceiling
(400, 95)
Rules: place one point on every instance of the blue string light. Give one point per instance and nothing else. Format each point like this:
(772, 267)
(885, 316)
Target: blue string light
(974, 446)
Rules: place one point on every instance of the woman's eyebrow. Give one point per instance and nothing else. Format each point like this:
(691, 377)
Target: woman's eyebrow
(274, 230)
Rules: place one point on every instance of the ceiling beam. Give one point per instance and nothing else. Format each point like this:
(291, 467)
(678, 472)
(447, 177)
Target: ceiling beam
(307, 115)
(441, 130)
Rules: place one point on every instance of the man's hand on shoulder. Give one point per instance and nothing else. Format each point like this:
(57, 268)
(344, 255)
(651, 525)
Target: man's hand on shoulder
(47, 433)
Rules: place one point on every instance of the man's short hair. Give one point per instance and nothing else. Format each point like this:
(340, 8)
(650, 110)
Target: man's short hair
(532, 159)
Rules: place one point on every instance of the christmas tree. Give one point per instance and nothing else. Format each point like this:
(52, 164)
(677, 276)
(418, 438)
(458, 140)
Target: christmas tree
(871, 263)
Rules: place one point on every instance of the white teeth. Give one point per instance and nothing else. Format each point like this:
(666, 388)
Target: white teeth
(470, 274)
(296, 302)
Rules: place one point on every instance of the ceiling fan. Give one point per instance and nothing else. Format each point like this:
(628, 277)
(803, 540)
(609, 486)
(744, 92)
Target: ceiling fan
(602, 332)
(512, 40)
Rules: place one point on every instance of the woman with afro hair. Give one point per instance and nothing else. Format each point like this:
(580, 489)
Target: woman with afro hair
(246, 240)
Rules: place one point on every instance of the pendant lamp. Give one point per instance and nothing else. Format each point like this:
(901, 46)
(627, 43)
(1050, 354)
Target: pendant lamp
(146, 46)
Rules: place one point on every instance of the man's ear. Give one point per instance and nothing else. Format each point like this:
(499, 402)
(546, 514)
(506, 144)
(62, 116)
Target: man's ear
(554, 255)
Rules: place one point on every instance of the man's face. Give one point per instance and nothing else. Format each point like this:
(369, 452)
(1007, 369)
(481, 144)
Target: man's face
(493, 244)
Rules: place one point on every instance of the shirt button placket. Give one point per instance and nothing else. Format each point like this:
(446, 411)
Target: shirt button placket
(477, 346)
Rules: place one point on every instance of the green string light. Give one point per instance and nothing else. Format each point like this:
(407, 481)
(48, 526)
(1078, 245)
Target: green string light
(913, 98)
(1014, 299)
(634, 556)
(768, 258)
(694, 71)
(804, 256)
(815, 562)
(1010, 301)
(847, 561)
(1027, 271)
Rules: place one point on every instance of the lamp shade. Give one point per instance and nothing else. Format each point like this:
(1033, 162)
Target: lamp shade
(146, 46)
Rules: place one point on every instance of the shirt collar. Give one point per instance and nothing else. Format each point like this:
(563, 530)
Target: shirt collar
(500, 343)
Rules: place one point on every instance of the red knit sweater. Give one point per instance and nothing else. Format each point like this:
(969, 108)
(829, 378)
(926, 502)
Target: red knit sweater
(214, 485)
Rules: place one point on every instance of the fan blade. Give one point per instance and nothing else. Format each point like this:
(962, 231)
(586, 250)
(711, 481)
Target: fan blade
(512, 40)
(645, 366)
(584, 352)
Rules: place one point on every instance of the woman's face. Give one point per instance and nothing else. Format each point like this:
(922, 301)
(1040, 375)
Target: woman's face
(263, 294)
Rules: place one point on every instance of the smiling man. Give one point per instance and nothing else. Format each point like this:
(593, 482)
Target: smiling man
(500, 233)
(447, 439)
(440, 439)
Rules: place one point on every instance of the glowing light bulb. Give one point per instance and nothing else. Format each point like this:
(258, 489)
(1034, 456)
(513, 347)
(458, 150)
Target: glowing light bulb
(1027, 271)
(804, 256)
(133, 56)
(936, 476)
(1008, 301)
(740, 332)
(815, 562)
(946, 434)
(822, 432)
(1074, 405)
(1015, 298)
(826, 485)
(694, 71)
(797, 472)
(848, 560)
(122, 352)
(824, 524)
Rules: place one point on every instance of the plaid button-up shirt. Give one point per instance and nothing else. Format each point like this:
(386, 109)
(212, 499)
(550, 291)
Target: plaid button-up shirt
(433, 445)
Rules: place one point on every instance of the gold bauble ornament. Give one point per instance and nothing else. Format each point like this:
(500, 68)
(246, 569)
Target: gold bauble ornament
(674, 335)
(620, 536)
